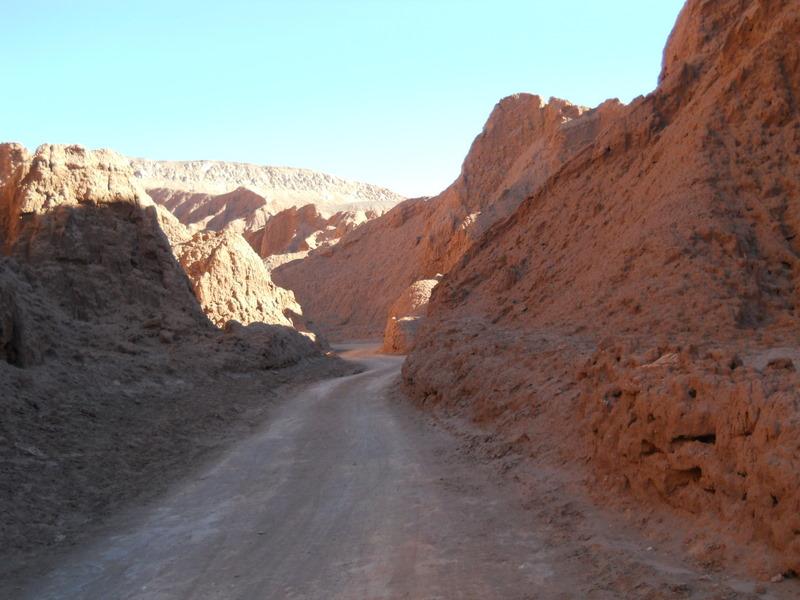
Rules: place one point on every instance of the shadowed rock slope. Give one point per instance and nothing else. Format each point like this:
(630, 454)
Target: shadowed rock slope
(112, 378)
(639, 309)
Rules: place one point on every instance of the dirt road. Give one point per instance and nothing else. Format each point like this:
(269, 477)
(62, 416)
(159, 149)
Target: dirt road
(347, 493)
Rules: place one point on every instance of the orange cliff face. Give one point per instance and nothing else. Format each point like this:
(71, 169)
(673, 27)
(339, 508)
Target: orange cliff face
(639, 308)
(689, 188)
(14, 160)
(348, 290)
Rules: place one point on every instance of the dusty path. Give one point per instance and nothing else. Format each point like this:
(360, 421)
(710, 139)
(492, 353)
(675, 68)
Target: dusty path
(345, 493)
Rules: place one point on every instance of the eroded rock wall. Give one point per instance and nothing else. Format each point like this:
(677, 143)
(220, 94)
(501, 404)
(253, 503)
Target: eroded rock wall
(104, 348)
(631, 285)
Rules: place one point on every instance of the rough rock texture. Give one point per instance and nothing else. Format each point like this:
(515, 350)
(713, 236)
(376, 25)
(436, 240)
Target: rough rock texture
(176, 232)
(14, 160)
(111, 376)
(231, 281)
(349, 288)
(705, 432)
(295, 230)
(406, 316)
(61, 176)
(634, 287)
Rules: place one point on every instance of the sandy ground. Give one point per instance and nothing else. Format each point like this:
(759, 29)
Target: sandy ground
(349, 492)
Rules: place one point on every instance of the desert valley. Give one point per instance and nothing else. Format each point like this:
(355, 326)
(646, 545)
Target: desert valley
(570, 374)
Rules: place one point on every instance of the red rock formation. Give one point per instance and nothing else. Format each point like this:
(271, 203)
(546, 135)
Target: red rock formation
(50, 213)
(79, 219)
(287, 231)
(290, 231)
(301, 229)
(636, 285)
(231, 281)
(348, 289)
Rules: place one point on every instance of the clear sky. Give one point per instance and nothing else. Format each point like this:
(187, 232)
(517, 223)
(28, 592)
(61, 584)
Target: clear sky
(386, 91)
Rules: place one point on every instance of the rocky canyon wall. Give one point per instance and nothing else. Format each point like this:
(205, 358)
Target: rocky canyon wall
(112, 372)
(639, 309)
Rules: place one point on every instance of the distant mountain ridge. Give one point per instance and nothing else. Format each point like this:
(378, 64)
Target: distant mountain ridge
(282, 187)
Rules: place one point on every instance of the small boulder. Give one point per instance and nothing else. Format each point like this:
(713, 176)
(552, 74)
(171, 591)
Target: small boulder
(406, 316)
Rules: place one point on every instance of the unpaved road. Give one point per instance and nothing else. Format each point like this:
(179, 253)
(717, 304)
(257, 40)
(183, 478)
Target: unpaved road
(346, 493)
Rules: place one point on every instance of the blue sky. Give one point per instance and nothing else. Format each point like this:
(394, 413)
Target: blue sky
(386, 91)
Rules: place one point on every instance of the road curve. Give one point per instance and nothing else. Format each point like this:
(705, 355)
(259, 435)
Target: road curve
(343, 494)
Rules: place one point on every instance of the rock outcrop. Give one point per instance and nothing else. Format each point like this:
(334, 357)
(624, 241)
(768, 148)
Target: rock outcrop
(296, 230)
(95, 240)
(406, 316)
(231, 281)
(349, 288)
(91, 234)
(110, 372)
(644, 285)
